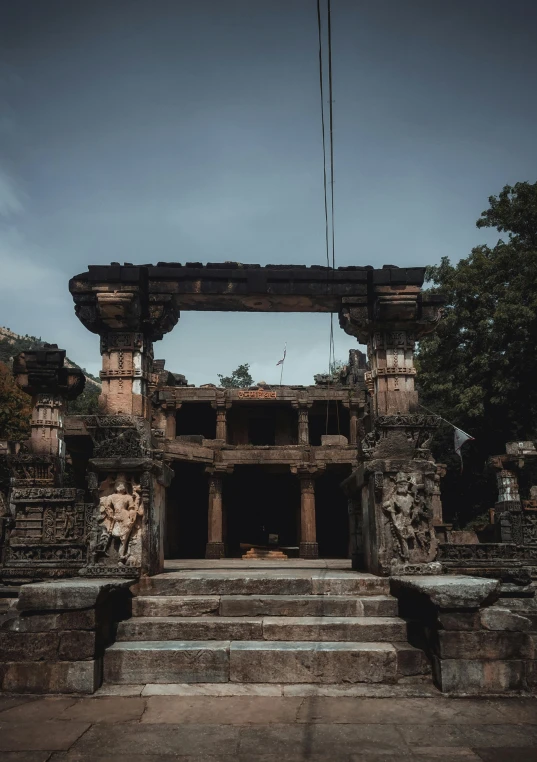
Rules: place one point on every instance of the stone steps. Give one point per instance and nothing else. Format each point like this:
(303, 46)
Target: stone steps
(263, 582)
(250, 626)
(250, 662)
(312, 629)
(264, 605)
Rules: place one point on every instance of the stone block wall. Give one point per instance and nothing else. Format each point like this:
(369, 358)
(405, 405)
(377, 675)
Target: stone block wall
(479, 642)
(54, 640)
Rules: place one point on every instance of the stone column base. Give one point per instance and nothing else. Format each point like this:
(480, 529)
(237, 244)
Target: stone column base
(215, 550)
(309, 550)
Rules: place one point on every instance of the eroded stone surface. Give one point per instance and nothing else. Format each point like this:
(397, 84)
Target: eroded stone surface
(450, 592)
(495, 618)
(177, 605)
(295, 662)
(66, 594)
(52, 677)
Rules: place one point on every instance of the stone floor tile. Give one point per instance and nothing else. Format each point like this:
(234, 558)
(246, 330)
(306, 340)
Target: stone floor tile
(120, 690)
(519, 710)
(8, 702)
(489, 736)
(413, 711)
(105, 709)
(25, 756)
(48, 708)
(330, 740)
(40, 736)
(138, 739)
(506, 754)
(443, 735)
(233, 710)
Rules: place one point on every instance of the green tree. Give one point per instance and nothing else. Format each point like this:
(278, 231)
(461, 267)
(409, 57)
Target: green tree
(239, 379)
(15, 408)
(478, 370)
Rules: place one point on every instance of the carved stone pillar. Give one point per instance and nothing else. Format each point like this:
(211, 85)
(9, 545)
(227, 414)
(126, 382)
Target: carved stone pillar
(509, 507)
(303, 426)
(215, 536)
(117, 303)
(353, 425)
(308, 526)
(221, 423)
(389, 318)
(171, 422)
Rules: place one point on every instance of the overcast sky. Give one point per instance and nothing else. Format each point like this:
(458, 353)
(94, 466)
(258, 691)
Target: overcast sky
(147, 130)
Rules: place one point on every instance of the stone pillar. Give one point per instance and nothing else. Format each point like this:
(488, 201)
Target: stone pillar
(215, 535)
(171, 421)
(303, 426)
(394, 486)
(353, 425)
(40, 373)
(221, 423)
(116, 303)
(509, 507)
(308, 527)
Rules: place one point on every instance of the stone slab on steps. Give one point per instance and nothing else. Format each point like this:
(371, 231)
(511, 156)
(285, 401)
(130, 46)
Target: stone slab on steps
(249, 662)
(175, 605)
(291, 662)
(307, 605)
(313, 629)
(278, 582)
(167, 662)
(264, 605)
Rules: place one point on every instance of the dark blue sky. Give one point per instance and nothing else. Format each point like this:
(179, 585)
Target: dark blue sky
(138, 130)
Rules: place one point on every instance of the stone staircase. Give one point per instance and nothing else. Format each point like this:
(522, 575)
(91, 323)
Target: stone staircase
(262, 626)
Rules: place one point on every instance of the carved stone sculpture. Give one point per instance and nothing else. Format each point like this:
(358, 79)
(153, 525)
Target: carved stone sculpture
(409, 517)
(119, 519)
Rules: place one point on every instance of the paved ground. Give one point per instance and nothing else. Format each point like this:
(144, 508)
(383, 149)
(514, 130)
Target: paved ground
(266, 729)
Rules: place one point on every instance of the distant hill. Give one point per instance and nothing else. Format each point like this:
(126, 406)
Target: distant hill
(12, 343)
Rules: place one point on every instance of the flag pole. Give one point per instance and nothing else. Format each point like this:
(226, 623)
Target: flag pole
(283, 362)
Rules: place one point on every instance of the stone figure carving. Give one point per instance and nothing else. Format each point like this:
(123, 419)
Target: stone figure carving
(120, 517)
(408, 515)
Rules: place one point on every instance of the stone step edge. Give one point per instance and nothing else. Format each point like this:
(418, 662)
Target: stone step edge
(249, 645)
(288, 621)
(264, 597)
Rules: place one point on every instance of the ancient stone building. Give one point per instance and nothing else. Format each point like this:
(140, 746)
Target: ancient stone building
(94, 505)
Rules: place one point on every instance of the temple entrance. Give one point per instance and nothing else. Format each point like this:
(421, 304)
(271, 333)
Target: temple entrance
(185, 528)
(261, 507)
(332, 516)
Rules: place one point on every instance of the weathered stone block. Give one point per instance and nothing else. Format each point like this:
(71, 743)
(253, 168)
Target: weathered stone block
(175, 605)
(477, 676)
(52, 677)
(66, 620)
(67, 594)
(190, 628)
(410, 660)
(77, 645)
(167, 662)
(531, 674)
(334, 629)
(487, 644)
(459, 620)
(306, 662)
(450, 592)
(495, 618)
(25, 646)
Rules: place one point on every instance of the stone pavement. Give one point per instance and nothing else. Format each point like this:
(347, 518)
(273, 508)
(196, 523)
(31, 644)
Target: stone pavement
(266, 729)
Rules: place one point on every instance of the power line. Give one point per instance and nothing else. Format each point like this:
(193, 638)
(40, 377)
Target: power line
(323, 128)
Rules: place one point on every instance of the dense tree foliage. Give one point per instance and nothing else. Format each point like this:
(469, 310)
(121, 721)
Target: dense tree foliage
(15, 408)
(479, 369)
(239, 379)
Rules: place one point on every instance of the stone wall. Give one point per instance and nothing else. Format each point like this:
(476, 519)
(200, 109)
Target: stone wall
(480, 640)
(54, 640)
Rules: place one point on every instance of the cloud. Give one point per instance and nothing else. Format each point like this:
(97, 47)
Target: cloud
(10, 196)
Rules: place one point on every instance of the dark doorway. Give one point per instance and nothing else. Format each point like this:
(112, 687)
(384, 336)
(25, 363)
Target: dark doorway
(187, 500)
(262, 425)
(259, 501)
(196, 418)
(332, 514)
(336, 422)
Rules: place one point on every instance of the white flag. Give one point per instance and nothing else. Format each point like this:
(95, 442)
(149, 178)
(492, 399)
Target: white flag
(281, 362)
(460, 438)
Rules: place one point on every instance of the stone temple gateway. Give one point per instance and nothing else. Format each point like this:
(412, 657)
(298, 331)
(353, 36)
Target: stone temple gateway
(283, 477)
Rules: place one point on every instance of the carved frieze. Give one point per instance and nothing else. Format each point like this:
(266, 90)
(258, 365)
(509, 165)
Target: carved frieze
(116, 436)
(116, 537)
